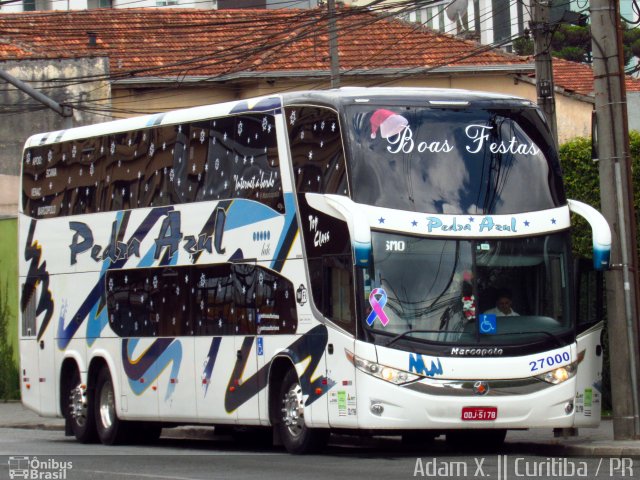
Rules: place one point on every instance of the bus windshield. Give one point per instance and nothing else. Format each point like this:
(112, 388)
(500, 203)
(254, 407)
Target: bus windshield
(453, 161)
(446, 291)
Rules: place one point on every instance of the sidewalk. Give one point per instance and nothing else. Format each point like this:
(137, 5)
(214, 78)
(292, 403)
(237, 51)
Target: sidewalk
(590, 442)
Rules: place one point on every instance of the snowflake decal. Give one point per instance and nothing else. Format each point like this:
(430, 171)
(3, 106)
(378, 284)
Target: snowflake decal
(155, 282)
(203, 136)
(28, 159)
(112, 148)
(74, 151)
(203, 280)
(216, 164)
(177, 289)
(92, 169)
(240, 127)
(261, 278)
(49, 156)
(171, 175)
(152, 149)
(292, 118)
(111, 284)
(265, 123)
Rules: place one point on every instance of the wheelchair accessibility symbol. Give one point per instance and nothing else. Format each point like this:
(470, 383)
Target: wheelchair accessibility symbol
(488, 324)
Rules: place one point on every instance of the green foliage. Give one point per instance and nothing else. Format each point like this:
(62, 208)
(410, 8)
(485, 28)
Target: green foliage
(9, 377)
(582, 183)
(523, 46)
(581, 179)
(573, 42)
(573, 54)
(635, 48)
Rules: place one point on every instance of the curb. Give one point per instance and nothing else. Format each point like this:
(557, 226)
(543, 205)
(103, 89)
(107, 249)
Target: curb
(604, 449)
(34, 426)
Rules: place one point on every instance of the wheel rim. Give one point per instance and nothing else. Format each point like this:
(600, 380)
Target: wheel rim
(293, 410)
(78, 405)
(107, 405)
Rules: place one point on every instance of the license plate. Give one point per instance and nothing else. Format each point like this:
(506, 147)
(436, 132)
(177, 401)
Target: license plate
(479, 413)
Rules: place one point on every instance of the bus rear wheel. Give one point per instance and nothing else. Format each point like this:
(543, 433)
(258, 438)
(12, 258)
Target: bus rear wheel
(79, 412)
(295, 435)
(111, 430)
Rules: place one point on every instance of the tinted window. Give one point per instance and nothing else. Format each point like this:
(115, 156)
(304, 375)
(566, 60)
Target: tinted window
(222, 299)
(208, 160)
(316, 150)
(453, 161)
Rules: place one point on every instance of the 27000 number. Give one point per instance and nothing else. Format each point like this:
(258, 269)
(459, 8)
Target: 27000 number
(549, 361)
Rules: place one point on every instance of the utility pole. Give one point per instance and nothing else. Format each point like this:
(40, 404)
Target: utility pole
(64, 110)
(544, 68)
(616, 196)
(333, 44)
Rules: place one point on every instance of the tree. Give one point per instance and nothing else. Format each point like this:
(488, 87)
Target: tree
(573, 42)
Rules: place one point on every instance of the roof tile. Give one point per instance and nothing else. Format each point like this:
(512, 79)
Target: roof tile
(178, 42)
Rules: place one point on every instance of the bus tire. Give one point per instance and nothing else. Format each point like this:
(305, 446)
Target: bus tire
(296, 437)
(79, 411)
(111, 430)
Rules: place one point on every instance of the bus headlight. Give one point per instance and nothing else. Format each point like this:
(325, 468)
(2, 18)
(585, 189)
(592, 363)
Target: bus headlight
(559, 375)
(388, 374)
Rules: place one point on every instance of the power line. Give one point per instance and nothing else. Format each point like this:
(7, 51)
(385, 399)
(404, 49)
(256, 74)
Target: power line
(313, 18)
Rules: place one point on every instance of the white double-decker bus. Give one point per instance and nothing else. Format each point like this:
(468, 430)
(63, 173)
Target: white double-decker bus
(313, 262)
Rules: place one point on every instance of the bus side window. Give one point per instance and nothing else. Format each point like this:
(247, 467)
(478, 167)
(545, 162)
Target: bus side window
(316, 150)
(214, 300)
(255, 168)
(275, 304)
(175, 294)
(244, 282)
(590, 296)
(332, 288)
(29, 315)
(195, 187)
(220, 158)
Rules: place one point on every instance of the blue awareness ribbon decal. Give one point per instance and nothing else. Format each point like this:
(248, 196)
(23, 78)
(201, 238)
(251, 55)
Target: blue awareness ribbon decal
(377, 300)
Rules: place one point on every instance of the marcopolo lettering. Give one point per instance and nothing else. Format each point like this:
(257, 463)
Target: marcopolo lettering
(477, 352)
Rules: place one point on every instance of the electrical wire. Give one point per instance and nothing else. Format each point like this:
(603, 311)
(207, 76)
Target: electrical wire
(313, 20)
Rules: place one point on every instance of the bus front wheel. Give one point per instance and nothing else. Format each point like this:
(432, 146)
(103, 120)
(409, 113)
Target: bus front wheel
(294, 433)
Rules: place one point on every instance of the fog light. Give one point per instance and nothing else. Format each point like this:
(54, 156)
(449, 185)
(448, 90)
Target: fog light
(377, 409)
(568, 408)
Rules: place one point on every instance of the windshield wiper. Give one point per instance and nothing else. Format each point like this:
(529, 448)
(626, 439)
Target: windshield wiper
(555, 338)
(548, 334)
(405, 333)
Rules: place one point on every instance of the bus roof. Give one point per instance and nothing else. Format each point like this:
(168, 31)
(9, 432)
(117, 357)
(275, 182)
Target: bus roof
(334, 97)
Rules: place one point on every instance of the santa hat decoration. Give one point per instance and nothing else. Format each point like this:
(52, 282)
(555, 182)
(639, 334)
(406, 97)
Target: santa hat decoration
(387, 122)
